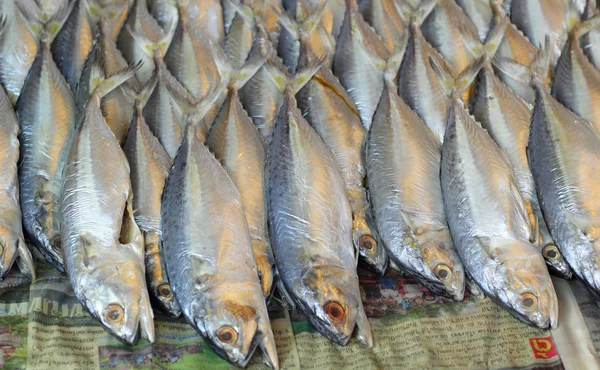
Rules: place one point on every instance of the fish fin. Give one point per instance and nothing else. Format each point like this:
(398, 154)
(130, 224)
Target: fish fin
(585, 27)
(395, 59)
(540, 65)
(286, 22)
(445, 78)
(421, 13)
(304, 75)
(24, 259)
(492, 43)
(44, 30)
(236, 77)
(512, 68)
(195, 111)
(466, 77)
(102, 85)
(244, 11)
(284, 299)
(590, 9)
(140, 98)
(152, 48)
(363, 327)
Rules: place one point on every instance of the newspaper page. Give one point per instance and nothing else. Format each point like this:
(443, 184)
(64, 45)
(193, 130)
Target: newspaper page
(43, 326)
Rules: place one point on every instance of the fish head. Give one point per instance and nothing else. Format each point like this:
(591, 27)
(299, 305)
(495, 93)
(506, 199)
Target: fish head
(8, 248)
(372, 254)
(115, 294)
(232, 321)
(519, 279)
(331, 301)
(556, 261)
(439, 266)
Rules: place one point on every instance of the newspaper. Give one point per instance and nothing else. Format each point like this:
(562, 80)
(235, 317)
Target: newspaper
(43, 326)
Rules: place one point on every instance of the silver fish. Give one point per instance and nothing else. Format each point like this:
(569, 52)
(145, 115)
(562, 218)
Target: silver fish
(238, 145)
(489, 223)
(115, 107)
(149, 164)
(18, 48)
(164, 112)
(190, 57)
(576, 82)
(310, 222)
(74, 42)
(209, 261)
(267, 11)
(12, 243)
(481, 14)
(207, 17)
(403, 162)
(332, 113)
(141, 21)
(306, 26)
(564, 155)
(385, 17)
(240, 34)
(506, 118)
(103, 246)
(514, 45)
(359, 62)
(541, 18)
(46, 111)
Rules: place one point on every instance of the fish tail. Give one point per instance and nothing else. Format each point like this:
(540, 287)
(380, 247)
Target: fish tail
(156, 49)
(102, 85)
(466, 77)
(243, 10)
(417, 16)
(43, 29)
(24, 259)
(305, 28)
(395, 60)
(540, 66)
(139, 98)
(585, 27)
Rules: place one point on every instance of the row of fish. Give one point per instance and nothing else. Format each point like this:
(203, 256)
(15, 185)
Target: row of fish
(207, 156)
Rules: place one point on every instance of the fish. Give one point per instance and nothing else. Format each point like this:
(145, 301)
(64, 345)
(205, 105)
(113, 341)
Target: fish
(480, 12)
(386, 19)
(359, 62)
(305, 25)
(450, 31)
(149, 167)
(262, 95)
(240, 34)
(190, 57)
(115, 107)
(507, 118)
(489, 223)
(18, 48)
(46, 111)
(332, 114)
(206, 16)
(576, 82)
(539, 19)
(74, 41)
(103, 246)
(590, 41)
(142, 22)
(403, 167)
(165, 110)
(514, 45)
(12, 242)
(426, 79)
(564, 156)
(310, 223)
(266, 11)
(333, 16)
(212, 268)
(238, 145)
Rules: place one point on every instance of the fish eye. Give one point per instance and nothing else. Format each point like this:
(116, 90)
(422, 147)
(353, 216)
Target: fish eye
(550, 252)
(114, 313)
(227, 334)
(442, 271)
(528, 301)
(367, 243)
(335, 311)
(164, 290)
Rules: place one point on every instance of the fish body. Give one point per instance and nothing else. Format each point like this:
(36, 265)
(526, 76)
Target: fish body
(12, 242)
(149, 165)
(489, 222)
(384, 16)
(403, 162)
(46, 111)
(506, 118)
(209, 260)
(238, 145)
(576, 82)
(359, 63)
(332, 113)
(310, 223)
(240, 34)
(564, 154)
(480, 12)
(103, 246)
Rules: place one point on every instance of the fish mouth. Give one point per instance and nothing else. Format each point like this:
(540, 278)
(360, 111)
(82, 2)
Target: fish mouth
(239, 362)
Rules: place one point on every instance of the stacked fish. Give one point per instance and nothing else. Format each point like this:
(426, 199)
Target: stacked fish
(207, 156)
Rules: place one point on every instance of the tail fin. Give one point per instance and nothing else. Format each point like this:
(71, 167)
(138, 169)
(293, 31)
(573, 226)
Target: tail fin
(418, 15)
(395, 59)
(457, 85)
(102, 85)
(139, 98)
(492, 43)
(231, 76)
(585, 27)
(307, 26)
(295, 81)
(44, 30)
(152, 48)
(245, 11)
(195, 111)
